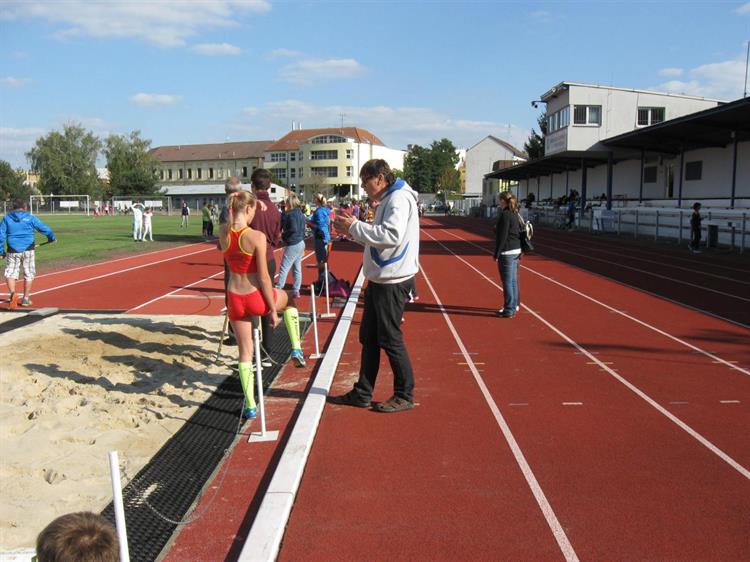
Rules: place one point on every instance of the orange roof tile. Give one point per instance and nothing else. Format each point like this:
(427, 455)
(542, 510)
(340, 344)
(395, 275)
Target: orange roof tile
(293, 139)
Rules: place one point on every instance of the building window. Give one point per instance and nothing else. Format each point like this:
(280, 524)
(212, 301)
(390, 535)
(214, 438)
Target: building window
(324, 155)
(325, 171)
(200, 173)
(587, 114)
(558, 120)
(169, 174)
(650, 116)
(292, 156)
(693, 170)
(244, 171)
(349, 153)
(327, 139)
(161, 174)
(280, 173)
(179, 173)
(301, 155)
(649, 174)
(278, 157)
(349, 171)
(293, 173)
(190, 173)
(210, 173)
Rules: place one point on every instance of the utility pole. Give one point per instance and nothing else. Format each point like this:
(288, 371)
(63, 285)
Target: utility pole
(747, 60)
(342, 115)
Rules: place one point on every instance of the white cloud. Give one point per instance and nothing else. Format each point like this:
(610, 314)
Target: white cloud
(395, 126)
(166, 24)
(216, 49)
(285, 53)
(16, 142)
(14, 82)
(671, 72)
(308, 71)
(151, 100)
(722, 80)
(744, 9)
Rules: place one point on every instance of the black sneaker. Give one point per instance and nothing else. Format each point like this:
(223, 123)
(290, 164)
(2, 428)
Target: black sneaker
(351, 398)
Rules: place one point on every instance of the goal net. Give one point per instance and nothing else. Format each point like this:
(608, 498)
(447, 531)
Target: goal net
(157, 203)
(64, 204)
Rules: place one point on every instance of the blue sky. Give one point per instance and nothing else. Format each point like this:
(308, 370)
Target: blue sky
(208, 71)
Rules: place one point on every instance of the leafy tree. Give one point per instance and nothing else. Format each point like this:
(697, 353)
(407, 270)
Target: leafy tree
(11, 183)
(398, 173)
(449, 180)
(444, 156)
(418, 168)
(131, 166)
(534, 147)
(66, 162)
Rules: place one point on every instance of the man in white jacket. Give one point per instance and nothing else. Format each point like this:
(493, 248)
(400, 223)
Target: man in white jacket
(390, 263)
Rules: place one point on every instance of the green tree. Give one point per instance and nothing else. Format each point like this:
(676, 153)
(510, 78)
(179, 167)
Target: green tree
(398, 173)
(11, 183)
(418, 168)
(444, 156)
(66, 162)
(449, 180)
(534, 147)
(131, 166)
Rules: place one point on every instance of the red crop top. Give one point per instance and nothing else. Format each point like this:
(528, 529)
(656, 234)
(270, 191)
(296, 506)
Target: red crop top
(237, 259)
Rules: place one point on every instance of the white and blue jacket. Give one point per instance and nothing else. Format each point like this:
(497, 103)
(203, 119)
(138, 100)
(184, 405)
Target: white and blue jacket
(392, 241)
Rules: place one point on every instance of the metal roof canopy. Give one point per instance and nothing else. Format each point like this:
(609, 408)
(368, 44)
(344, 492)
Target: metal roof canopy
(708, 128)
(569, 160)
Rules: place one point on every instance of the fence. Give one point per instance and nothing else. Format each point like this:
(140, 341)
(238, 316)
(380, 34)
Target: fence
(721, 227)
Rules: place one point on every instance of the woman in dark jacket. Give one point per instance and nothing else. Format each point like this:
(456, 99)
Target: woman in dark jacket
(508, 252)
(293, 237)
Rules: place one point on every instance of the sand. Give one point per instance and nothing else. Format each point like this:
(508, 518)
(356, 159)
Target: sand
(74, 387)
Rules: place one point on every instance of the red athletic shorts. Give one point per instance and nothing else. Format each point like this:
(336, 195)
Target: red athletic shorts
(250, 304)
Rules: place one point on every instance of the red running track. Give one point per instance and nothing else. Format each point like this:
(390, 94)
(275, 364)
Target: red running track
(603, 422)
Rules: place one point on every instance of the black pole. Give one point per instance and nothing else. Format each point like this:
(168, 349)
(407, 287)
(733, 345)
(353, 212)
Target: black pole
(640, 189)
(538, 190)
(682, 166)
(583, 185)
(567, 181)
(734, 169)
(610, 173)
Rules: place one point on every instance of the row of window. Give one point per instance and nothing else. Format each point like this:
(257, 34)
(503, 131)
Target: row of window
(693, 172)
(592, 115)
(187, 173)
(323, 171)
(314, 155)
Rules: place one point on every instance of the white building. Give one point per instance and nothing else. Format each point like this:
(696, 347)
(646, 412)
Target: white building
(480, 159)
(327, 160)
(639, 148)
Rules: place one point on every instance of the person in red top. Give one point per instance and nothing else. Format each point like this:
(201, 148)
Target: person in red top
(250, 291)
(268, 221)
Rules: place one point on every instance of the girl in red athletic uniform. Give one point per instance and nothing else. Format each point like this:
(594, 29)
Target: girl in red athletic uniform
(250, 291)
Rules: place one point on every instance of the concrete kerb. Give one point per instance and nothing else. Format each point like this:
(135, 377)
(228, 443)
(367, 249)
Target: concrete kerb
(264, 540)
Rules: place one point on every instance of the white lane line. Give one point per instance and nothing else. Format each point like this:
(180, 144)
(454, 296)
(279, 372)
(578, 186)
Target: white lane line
(201, 297)
(633, 287)
(658, 407)
(572, 403)
(729, 401)
(171, 293)
(536, 490)
(119, 271)
(133, 256)
(696, 349)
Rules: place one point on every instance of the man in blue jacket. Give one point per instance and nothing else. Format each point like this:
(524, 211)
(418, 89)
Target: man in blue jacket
(17, 241)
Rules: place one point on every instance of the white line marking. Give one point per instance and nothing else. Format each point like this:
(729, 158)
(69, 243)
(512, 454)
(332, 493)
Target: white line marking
(697, 349)
(118, 272)
(729, 401)
(169, 294)
(572, 403)
(107, 262)
(541, 499)
(666, 413)
(201, 297)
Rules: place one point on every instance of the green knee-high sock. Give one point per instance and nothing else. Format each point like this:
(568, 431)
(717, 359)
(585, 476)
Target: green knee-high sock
(291, 321)
(247, 379)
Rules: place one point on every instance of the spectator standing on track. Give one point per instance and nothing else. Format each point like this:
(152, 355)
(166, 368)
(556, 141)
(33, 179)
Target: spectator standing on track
(208, 225)
(17, 245)
(185, 215)
(507, 252)
(390, 262)
(148, 230)
(293, 237)
(320, 224)
(137, 210)
(267, 220)
(250, 290)
(695, 229)
(75, 537)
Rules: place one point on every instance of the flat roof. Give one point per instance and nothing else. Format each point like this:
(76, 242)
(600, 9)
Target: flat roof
(568, 160)
(562, 86)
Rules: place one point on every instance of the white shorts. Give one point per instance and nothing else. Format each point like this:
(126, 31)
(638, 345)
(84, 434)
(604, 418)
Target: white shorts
(16, 261)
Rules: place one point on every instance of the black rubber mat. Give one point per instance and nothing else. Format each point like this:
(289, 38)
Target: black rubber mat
(170, 483)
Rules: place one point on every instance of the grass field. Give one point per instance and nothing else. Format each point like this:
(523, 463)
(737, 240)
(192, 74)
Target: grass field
(82, 239)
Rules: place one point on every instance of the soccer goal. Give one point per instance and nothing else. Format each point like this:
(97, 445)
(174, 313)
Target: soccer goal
(159, 204)
(68, 204)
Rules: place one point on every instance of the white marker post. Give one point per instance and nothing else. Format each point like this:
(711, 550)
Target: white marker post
(264, 435)
(122, 533)
(317, 354)
(328, 313)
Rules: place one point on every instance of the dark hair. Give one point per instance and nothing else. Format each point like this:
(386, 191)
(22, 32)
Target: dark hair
(82, 536)
(19, 204)
(375, 167)
(510, 200)
(261, 179)
(696, 206)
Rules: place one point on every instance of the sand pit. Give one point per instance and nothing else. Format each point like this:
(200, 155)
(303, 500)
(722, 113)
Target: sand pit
(75, 387)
